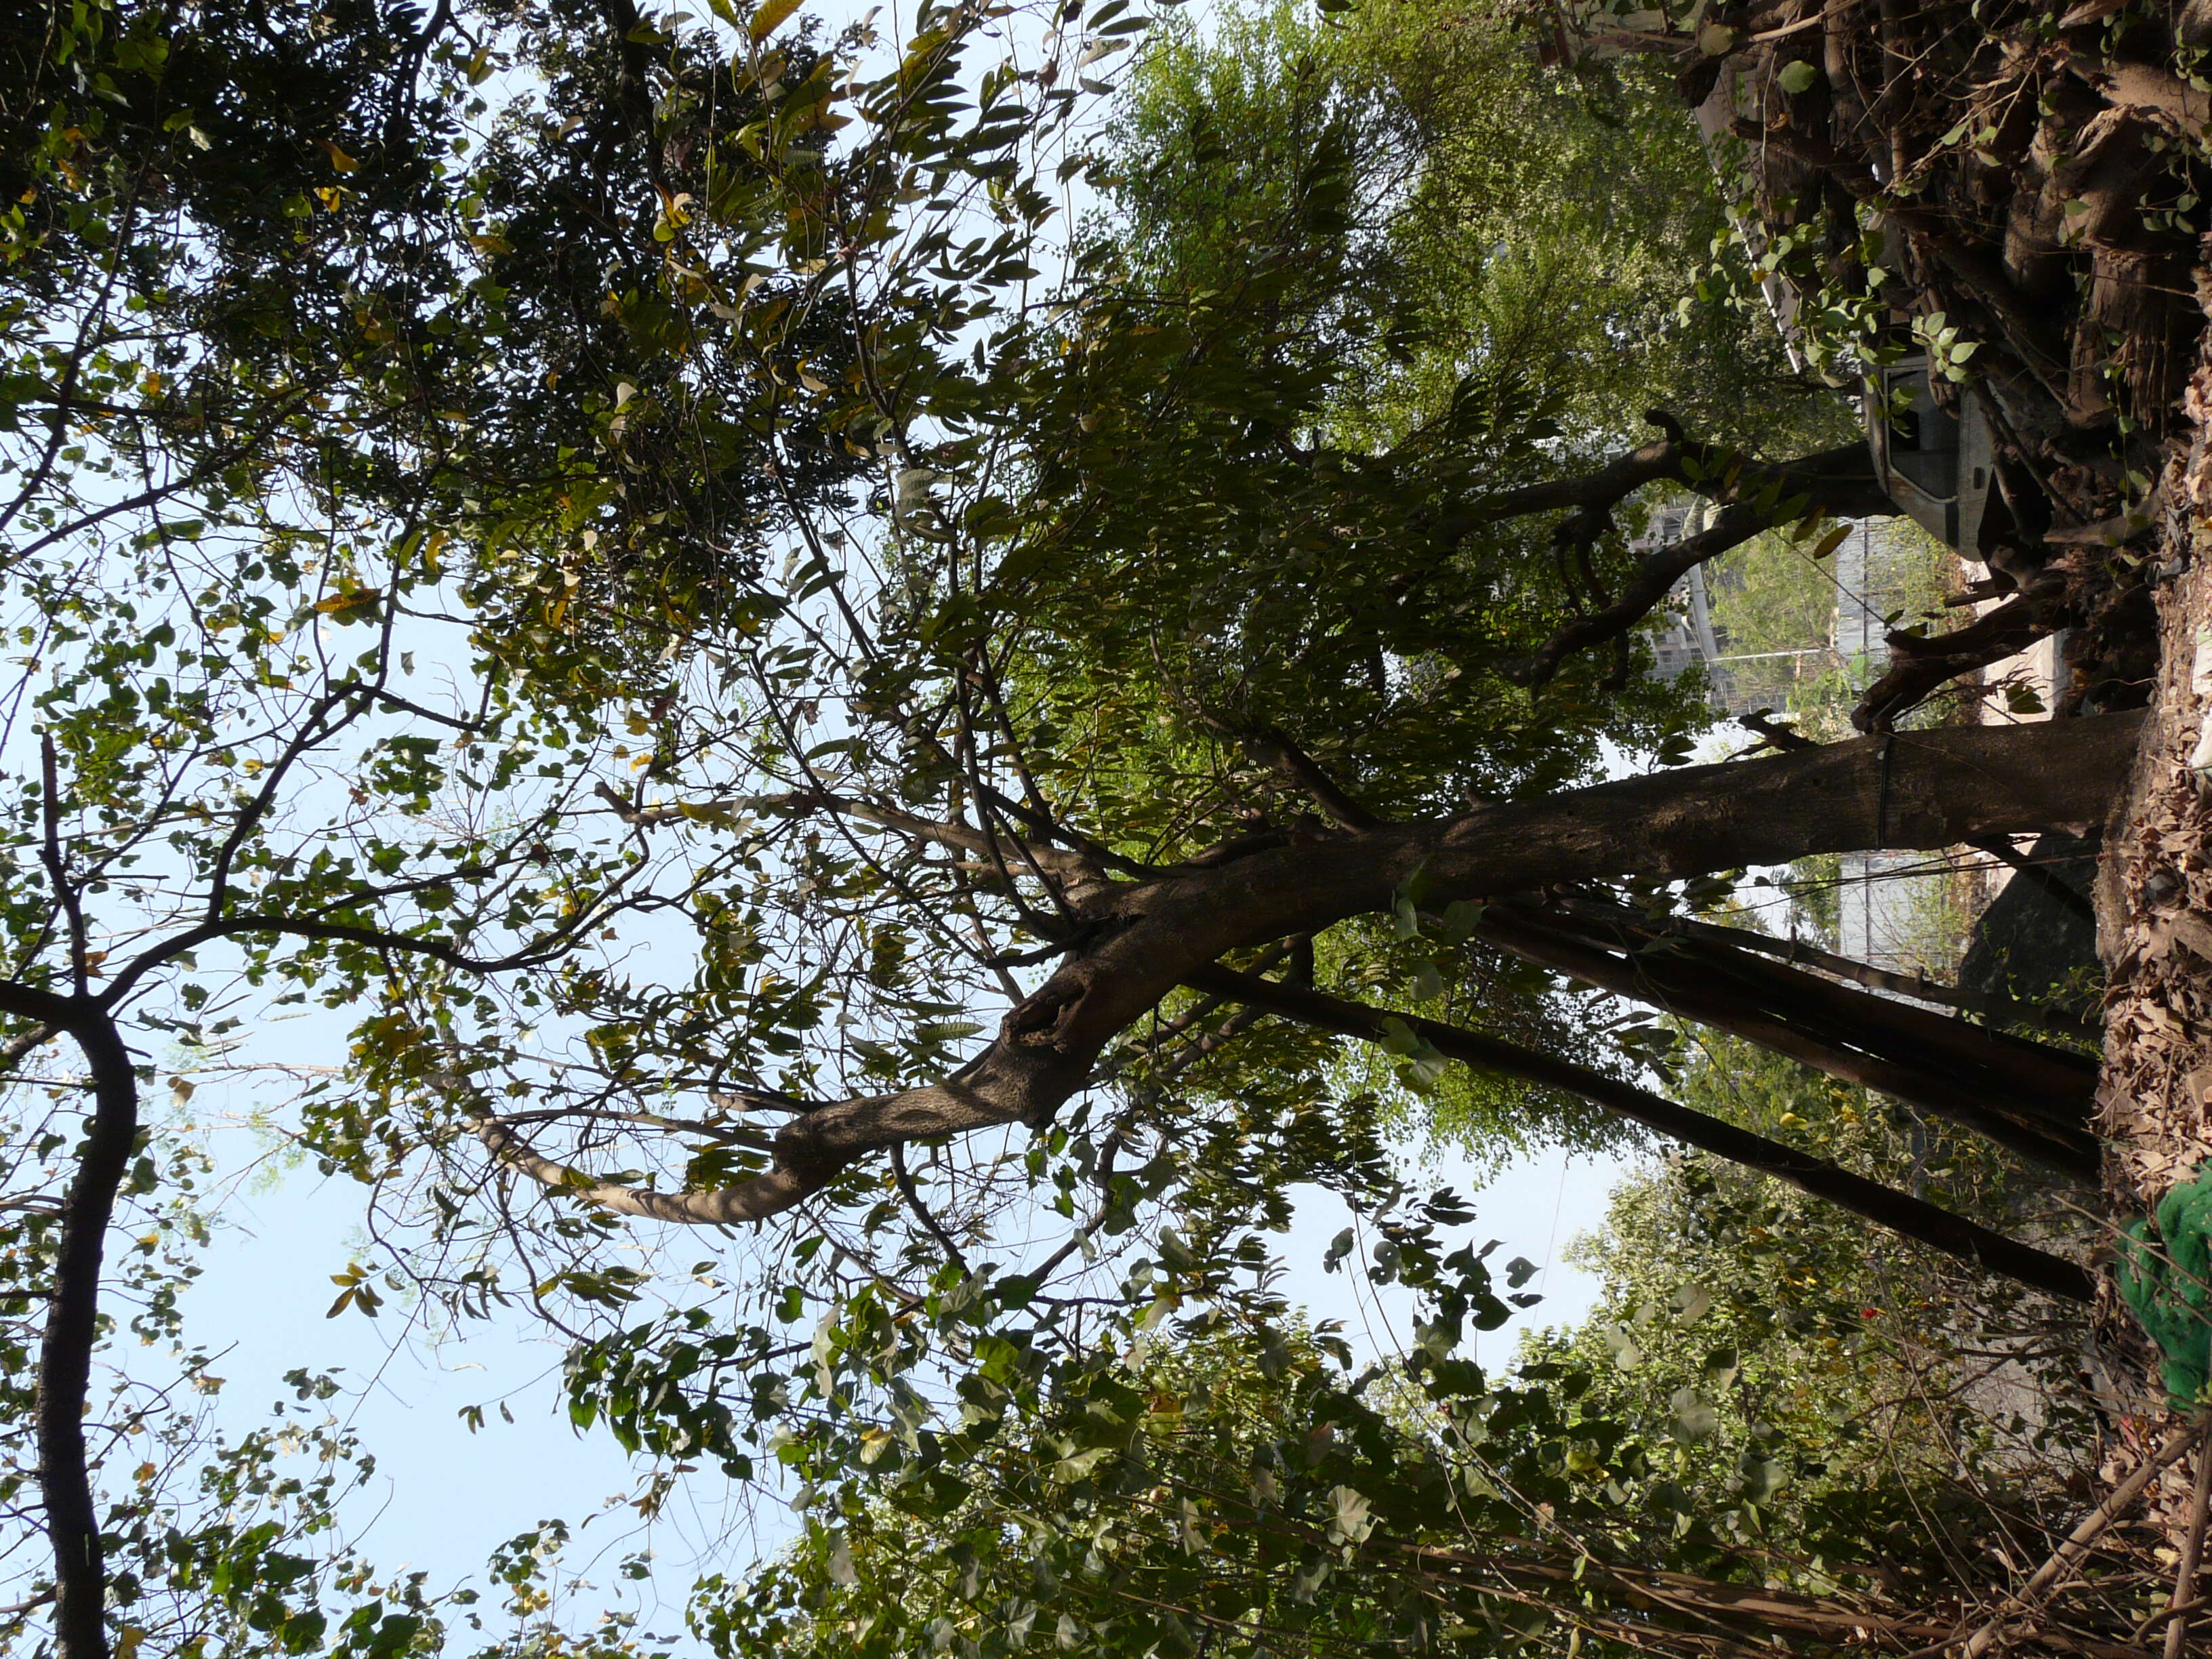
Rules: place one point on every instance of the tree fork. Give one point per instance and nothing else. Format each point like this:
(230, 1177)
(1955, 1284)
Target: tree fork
(1141, 938)
(1922, 664)
(1900, 1213)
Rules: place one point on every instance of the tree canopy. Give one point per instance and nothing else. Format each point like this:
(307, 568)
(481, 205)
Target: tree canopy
(990, 640)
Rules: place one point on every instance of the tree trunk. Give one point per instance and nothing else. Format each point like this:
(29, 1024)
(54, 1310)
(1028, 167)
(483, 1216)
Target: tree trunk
(72, 1329)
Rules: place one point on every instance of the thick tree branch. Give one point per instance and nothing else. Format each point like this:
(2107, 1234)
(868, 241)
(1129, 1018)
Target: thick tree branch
(1919, 663)
(2024, 1063)
(2033, 1101)
(1921, 789)
(72, 1326)
(1648, 587)
(1918, 987)
(1901, 1213)
(1603, 490)
(20, 1046)
(1839, 481)
(1755, 496)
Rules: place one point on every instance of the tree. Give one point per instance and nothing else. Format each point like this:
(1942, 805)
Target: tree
(1110, 665)
(1221, 1488)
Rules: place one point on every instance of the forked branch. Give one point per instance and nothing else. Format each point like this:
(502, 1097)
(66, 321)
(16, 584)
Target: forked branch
(1923, 789)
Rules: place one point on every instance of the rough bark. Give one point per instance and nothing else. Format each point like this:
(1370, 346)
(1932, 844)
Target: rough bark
(2155, 889)
(1839, 481)
(2054, 224)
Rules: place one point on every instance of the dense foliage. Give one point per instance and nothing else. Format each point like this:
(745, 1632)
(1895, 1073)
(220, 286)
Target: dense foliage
(762, 614)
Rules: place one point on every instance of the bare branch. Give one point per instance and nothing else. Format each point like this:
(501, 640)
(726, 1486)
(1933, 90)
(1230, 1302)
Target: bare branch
(2115, 1504)
(1073, 867)
(1654, 579)
(1275, 749)
(922, 1212)
(1920, 663)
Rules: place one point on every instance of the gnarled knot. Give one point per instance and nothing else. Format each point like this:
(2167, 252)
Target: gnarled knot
(1039, 1019)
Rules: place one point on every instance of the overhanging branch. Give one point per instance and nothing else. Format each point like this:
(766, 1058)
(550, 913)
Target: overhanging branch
(1921, 789)
(1901, 1213)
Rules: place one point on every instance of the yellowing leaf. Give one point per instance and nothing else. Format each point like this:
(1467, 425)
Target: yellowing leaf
(344, 604)
(339, 159)
(766, 20)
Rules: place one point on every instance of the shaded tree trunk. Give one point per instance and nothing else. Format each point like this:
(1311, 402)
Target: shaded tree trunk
(72, 1324)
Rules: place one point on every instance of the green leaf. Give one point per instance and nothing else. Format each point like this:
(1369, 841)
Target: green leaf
(1695, 1417)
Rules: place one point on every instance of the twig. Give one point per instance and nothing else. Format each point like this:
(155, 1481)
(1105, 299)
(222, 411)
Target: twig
(2192, 1550)
(2155, 1619)
(922, 1212)
(2078, 1541)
